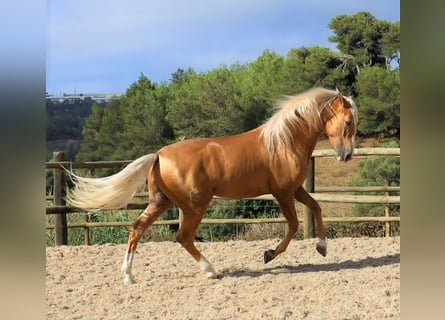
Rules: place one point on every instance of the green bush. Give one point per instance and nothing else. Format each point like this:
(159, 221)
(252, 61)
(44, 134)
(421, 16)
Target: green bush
(229, 209)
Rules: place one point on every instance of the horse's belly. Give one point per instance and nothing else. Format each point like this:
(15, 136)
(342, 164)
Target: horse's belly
(241, 189)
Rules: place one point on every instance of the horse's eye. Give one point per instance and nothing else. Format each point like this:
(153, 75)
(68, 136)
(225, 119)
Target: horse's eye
(348, 122)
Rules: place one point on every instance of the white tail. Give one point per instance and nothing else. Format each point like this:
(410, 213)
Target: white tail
(112, 192)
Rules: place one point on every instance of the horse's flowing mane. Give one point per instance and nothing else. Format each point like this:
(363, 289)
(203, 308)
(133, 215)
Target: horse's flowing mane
(299, 111)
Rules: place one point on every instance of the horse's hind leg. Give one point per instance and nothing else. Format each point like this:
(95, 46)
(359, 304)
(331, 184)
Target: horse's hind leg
(287, 205)
(158, 204)
(186, 237)
(306, 199)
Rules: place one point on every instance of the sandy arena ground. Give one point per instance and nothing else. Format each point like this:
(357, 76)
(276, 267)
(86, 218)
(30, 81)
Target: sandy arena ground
(358, 279)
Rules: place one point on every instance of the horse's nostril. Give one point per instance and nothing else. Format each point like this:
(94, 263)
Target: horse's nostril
(348, 157)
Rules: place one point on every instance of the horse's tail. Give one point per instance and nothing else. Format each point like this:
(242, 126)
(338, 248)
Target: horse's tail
(112, 192)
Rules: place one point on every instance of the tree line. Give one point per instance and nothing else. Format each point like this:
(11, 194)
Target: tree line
(236, 98)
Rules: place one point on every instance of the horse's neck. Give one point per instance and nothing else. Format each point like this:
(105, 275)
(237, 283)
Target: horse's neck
(305, 142)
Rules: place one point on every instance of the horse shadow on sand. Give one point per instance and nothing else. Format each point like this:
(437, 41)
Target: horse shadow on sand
(369, 262)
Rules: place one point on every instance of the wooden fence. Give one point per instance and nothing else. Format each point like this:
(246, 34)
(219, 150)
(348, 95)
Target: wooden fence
(59, 208)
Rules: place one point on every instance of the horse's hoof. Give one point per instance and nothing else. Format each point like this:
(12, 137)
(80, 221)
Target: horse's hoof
(213, 275)
(268, 255)
(322, 250)
(128, 279)
(217, 276)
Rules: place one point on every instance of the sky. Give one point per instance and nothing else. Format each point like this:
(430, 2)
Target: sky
(102, 46)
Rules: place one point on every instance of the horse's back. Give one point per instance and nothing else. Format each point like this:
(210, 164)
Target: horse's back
(232, 166)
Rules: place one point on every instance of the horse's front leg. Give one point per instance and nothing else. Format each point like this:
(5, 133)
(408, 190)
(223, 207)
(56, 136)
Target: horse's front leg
(305, 198)
(287, 205)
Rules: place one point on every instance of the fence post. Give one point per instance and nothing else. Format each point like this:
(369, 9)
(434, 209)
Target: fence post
(181, 217)
(387, 215)
(309, 186)
(86, 230)
(60, 225)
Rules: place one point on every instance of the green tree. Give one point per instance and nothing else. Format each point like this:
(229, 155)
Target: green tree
(391, 43)
(64, 121)
(184, 106)
(378, 100)
(315, 66)
(102, 133)
(365, 41)
(204, 105)
(260, 84)
(180, 75)
(145, 127)
(221, 108)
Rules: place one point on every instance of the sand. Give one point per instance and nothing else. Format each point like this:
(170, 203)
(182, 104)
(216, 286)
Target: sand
(358, 279)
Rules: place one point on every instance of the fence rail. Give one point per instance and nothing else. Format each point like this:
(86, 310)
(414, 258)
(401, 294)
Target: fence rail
(322, 194)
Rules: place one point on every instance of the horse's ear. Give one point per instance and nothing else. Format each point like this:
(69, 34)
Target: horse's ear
(340, 98)
(343, 101)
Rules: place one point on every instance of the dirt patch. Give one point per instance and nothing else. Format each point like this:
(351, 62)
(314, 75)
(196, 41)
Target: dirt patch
(332, 173)
(358, 279)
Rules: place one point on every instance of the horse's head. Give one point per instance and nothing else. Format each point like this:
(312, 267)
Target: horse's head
(340, 123)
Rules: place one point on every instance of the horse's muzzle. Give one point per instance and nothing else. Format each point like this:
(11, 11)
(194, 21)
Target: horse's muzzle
(344, 155)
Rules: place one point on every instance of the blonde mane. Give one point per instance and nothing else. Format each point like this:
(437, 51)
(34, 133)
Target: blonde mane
(300, 111)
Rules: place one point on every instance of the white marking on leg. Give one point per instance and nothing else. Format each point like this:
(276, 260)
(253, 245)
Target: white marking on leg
(322, 243)
(207, 268)
(126, 267)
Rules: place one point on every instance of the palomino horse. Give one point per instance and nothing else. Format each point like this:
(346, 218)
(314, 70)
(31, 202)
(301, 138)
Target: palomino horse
(271, 159)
